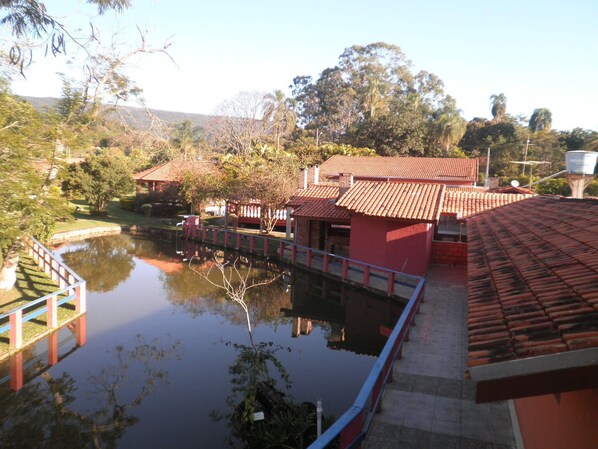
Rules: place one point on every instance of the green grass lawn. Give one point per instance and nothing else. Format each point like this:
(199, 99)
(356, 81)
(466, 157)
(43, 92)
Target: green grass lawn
(116, 216)
(31, 284)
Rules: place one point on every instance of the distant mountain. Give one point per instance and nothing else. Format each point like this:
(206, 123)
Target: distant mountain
(135, 117)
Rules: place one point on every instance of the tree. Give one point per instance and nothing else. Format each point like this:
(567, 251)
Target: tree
(541, 120)
(99, 179)
(238, 124)
(29, 203)
(449, 127)
(279, 116)
(32, 25)
(371, 99)
(499, 106)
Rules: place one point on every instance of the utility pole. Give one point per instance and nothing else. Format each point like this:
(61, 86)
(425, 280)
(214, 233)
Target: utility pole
(524, 157)
(487, 181)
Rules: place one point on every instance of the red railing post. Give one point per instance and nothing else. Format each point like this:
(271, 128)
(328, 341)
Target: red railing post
(281, 249)
(345, 269)
(52, 314)
(53, 348)
(81, 330)
(16, 329)
(390, 288)
(366, 275)
(308, 258)
(326, 262)
(80, 298)
(214, 236)
(352, 431)
(16, 371)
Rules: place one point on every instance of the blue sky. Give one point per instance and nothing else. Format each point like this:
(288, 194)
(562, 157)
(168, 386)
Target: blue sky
(538, 53)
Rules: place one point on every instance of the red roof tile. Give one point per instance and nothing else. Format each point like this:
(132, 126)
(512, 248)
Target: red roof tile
(533, 269)
(469, 203)
(173, 171)
(402, 168)
(401, 200)
(317, 191)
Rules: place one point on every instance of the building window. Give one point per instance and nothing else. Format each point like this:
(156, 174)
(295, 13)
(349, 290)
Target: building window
(451, 229)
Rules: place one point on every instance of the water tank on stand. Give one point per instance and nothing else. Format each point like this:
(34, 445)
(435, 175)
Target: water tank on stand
(580, 167)
(581, 162)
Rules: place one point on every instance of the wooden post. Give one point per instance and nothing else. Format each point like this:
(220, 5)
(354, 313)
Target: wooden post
(390, 288)
(53, 348)
(16, 371)
(81, 330)
(281, 249)
(52, 314)
(326, 262)
(80, 298)
(16, 329)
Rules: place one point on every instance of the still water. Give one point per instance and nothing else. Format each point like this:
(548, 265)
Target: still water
(168, 357)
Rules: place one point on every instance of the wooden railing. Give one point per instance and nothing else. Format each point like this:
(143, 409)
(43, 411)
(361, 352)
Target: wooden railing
(71, 288)
(380, 279)
(352, 427)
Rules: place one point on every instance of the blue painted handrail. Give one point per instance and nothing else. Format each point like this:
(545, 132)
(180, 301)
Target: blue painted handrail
(367, 402)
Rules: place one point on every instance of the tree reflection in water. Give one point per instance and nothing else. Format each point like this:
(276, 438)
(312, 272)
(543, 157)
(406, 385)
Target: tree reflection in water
(43, 414)
(260, 414)
(104, 261)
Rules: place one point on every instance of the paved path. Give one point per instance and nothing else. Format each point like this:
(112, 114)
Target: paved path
(430, 405)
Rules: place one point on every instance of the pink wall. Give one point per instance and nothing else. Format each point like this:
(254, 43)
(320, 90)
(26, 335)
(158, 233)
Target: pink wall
(392, 244)
(563, 421)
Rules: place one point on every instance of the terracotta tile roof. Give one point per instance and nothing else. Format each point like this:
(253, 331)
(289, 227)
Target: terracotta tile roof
(173, 171)
(469, 203)
(318, 201)
(402, 168)
(322, 191)
(533, 280)
(322, 209)
(401, 200)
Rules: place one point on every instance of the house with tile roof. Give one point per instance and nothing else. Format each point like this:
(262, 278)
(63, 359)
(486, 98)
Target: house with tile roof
(447, 171)
(157, 178)
(400, 225)
(533, 316)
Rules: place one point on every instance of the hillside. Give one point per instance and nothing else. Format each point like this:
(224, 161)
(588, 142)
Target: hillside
(135, 117)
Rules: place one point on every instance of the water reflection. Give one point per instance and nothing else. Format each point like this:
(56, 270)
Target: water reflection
(48, 413)
(355, 320)
(104, 262)
(260, 413)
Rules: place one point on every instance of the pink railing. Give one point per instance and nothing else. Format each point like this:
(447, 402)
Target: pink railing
(71, 288)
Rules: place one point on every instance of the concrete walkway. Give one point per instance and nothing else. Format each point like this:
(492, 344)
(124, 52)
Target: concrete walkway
(430, 405)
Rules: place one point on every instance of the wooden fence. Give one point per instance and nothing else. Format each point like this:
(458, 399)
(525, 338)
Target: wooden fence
(71, 289)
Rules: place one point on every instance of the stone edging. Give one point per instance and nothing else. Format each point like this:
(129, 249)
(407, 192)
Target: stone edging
(79, 234)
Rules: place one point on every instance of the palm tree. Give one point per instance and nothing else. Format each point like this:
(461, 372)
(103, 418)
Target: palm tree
(279, 116)
(499, 106)
(541, 120)
(449, 126)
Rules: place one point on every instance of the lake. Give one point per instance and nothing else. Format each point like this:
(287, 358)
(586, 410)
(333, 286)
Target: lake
(168, 358)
